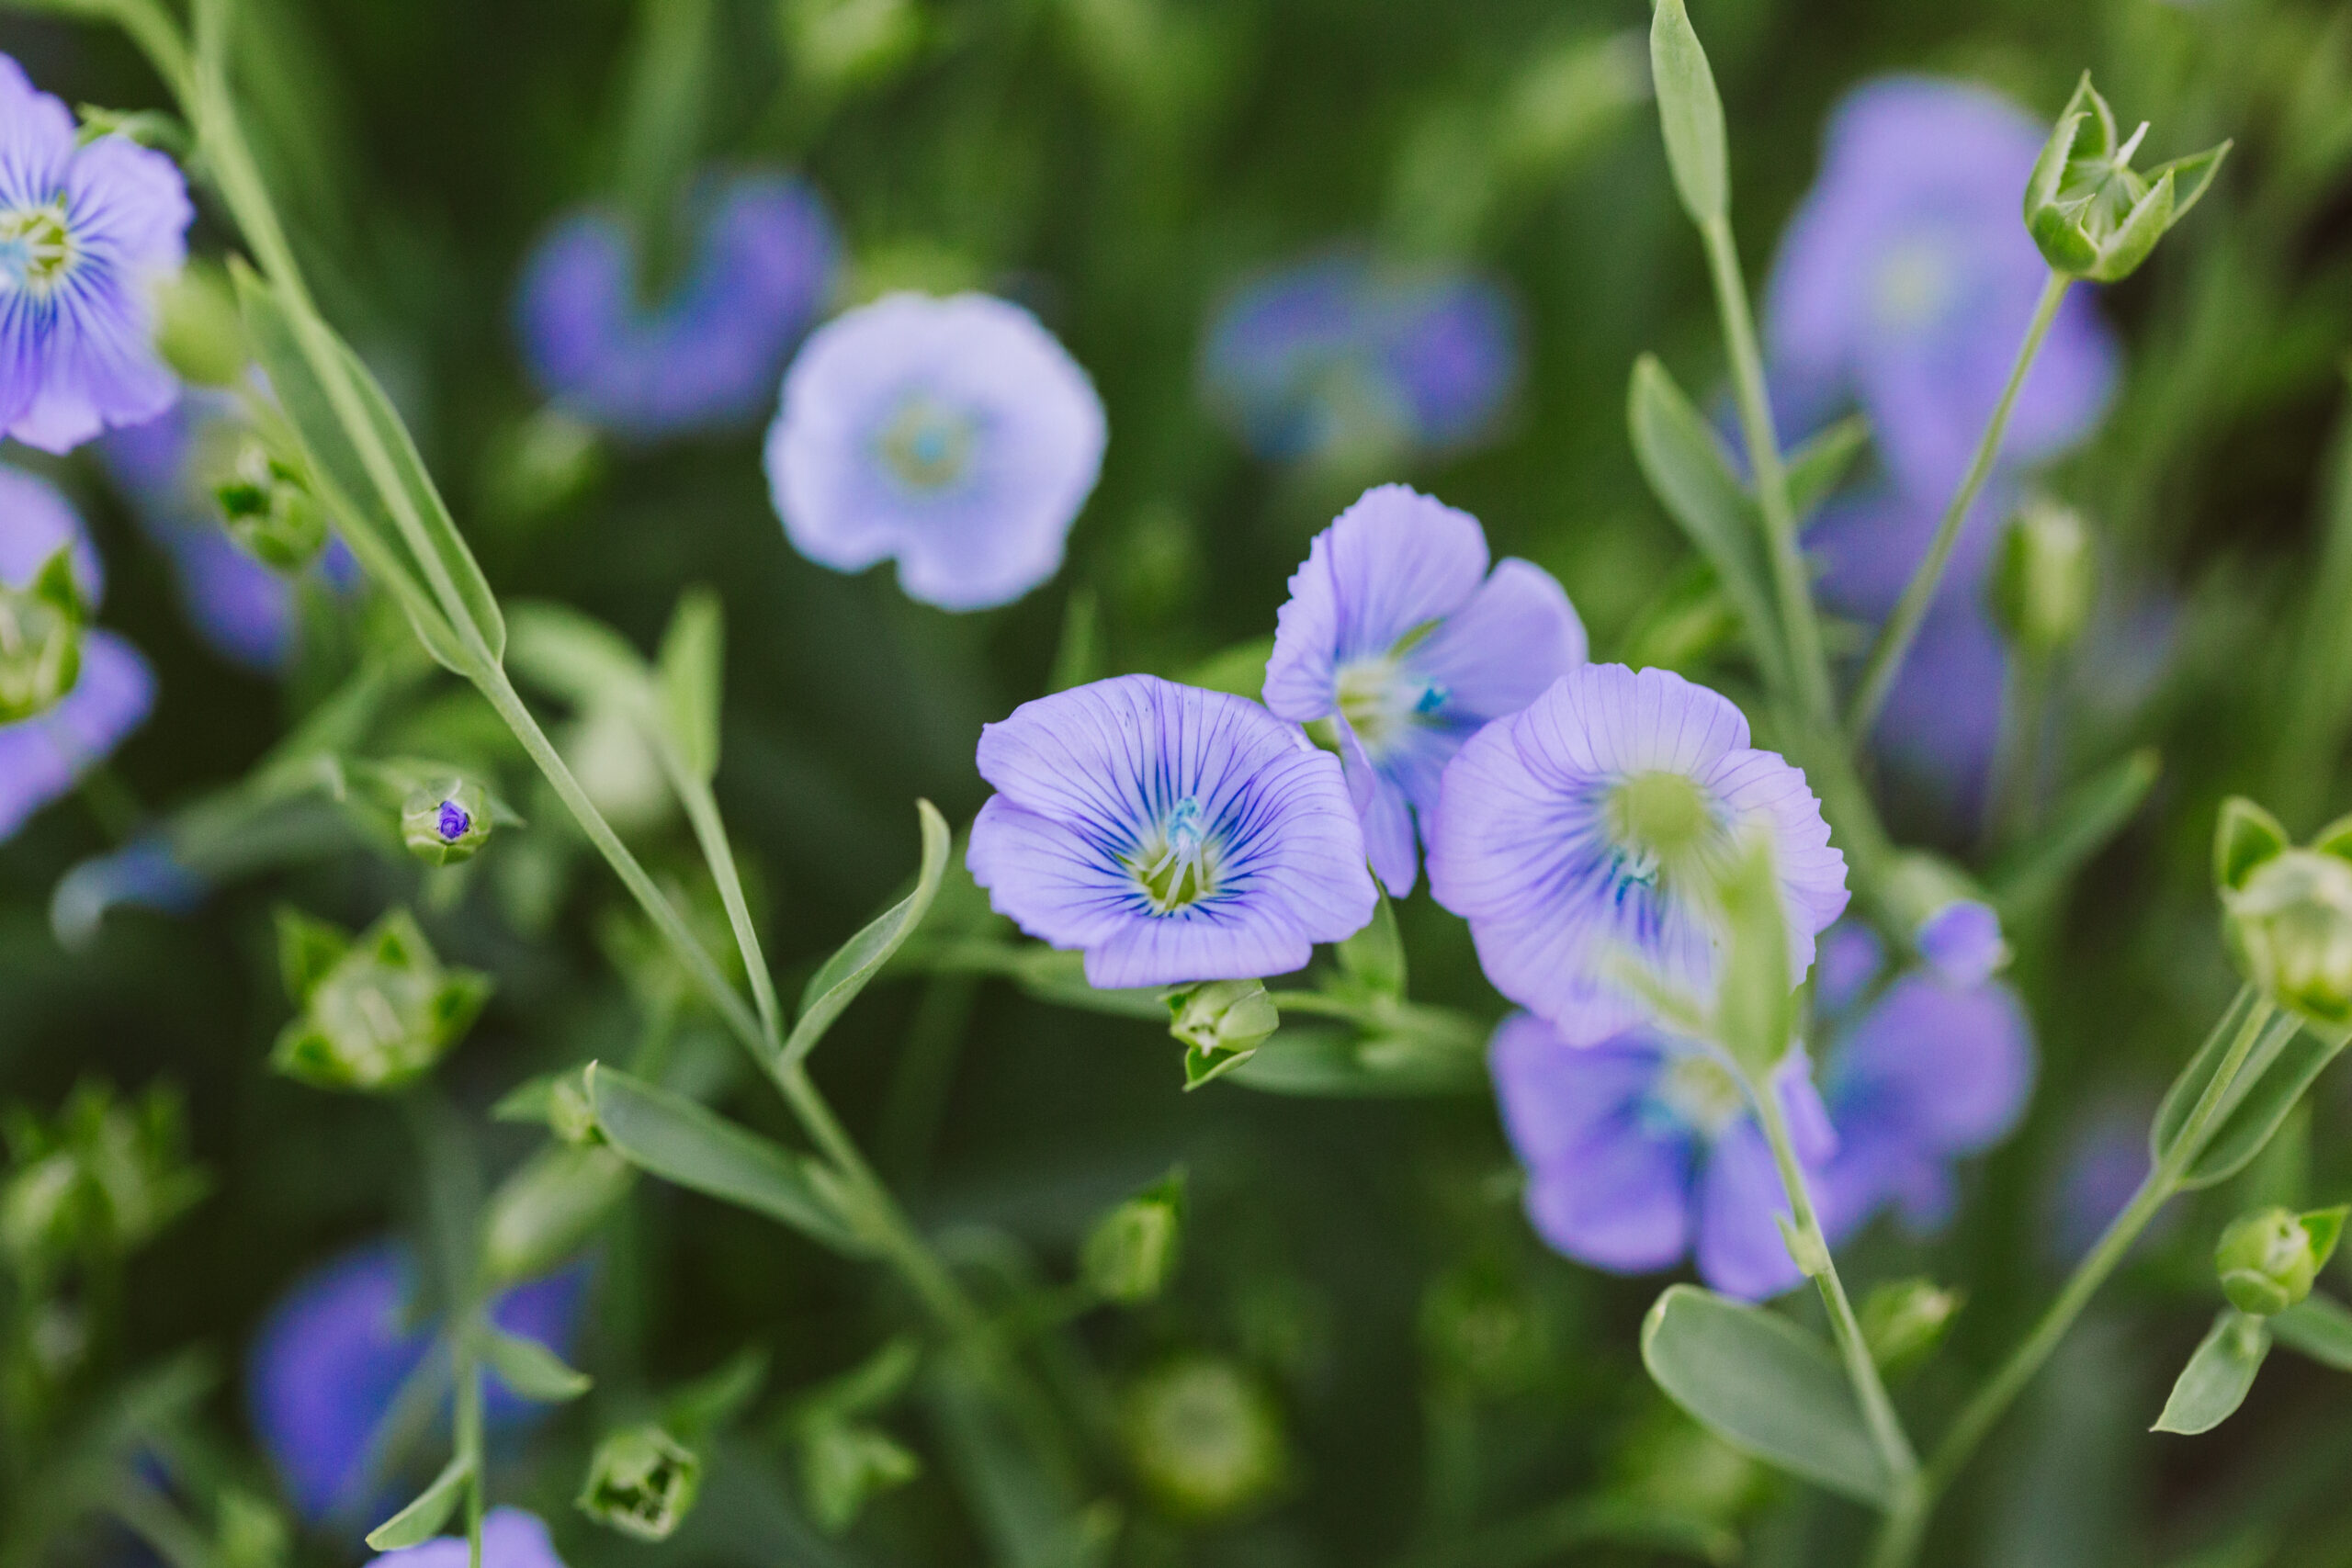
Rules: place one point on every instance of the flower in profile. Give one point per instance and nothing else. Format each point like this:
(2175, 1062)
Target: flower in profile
(1583, 835)
(167, 469)
(88, 229)
(1342, 352)
(1173, 834)
(510, 1538)
(954, 434)
(705, 354)
(1905, 280)
(44, 756)
(336, 1352)
(1396, 631)
(1921, 1075)
(1643, 1148)
(145, 873)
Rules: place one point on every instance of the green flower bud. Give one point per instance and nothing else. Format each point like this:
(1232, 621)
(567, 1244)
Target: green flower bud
(1130, 1254)
(1904, 1319)
(641, 1482)
(1222, 1023)
(2288, 915)
(2268, 1259)
(2043, 578)
(41, 641)
(2093, 215)
(1204, 1438)
(197, 329)
(106, 1175)
(269, 510)
(447, 825)
(845, 1465)
(378, 1012)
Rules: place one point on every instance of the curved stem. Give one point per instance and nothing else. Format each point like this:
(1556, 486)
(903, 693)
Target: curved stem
(1896, 638)
(1791, 582)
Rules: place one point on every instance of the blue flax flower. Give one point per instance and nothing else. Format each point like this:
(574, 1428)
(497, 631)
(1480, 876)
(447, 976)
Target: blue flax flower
(1397, 632)
(44, 757)
(167, 468)
(336, 1352)
(87, 230)
(1926, 1072)
(706, 355)
(143, 873)
(1343, 352)
(510, 1538)
(1173, 834)
(1643, 1148)
(1905, 281)
(953, 434)
(1584, 832)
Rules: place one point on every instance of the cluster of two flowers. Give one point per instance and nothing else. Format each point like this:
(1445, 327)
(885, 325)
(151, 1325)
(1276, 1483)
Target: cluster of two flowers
(1177, 835)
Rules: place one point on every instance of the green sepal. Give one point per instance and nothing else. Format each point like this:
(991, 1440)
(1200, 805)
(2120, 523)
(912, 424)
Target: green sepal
(2243, 836)
(690, 675)
(2218, 1376)
(529, 1368)
(427, 1513)
(307, 949)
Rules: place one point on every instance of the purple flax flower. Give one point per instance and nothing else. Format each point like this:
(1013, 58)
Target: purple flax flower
(1174, 834)
(1962, 942)
(167, 468)
(87, 230)
(1396, 631)
(707, 354)
(336, 1352)
(44, 756)
(1341, 351)
(510, 1538)
(1929, 1071)
(1583, 833)
(1906, 280)
(954, 434)
(145, 873)
(1641, 1147)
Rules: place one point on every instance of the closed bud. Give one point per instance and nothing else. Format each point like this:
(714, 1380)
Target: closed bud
(641, 1482)
(1132, 1251)
(2268, 1259)
(1222, 1023)
(41, 641)
(105, 1176)
(2044, 579)
(2289, 926)
(2093, 215)
(378, 1012)
(446, 825)
(1904, 1319)
(1204, 1438)
(844, 1465)
(270, 512)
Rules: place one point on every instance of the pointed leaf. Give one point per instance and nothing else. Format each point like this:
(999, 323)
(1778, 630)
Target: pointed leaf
(1690, 113)
(2192, 176)
(2245, 835)
(576, 657)
(2172, 1113)
(1333, 1063)
(2318, 1326)
(1821, 462)
(684, 1141)
(529, 1368)
(2215, 1382)
(691, 673)
(2255, 1113)
(847, 972)
(424, 1515)
(307, 949)
(2085, 818)
(1765, 1386)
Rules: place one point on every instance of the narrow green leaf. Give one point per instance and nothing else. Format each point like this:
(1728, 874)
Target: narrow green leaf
(691, 674)
(1690, 113)
(1332, 1063)
(1684, 464)
(427, 1513)
(576, 657)
(529, 1368)
(1375, 957)
(1820, 462)
(2085, 818)
(717, 1397)
(2255, 1114)
(2318, 1326)
(1079, 658)
(2215, 1382)
(847, 972)
(2179, 1100)
(683, 1142)
(1765, 1386)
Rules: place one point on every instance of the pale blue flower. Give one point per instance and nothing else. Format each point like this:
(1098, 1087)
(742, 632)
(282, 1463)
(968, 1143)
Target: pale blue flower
(1171, 833)
(1962, 942)
(510, 1538)
(1396, 631)
(143, 873)
(88, 231)
(1346, 352)
(707, 352)
(956, 436)
(1582, 835)
(1643, 1148)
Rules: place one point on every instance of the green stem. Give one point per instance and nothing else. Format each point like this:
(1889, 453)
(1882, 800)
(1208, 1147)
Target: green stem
(1896, 638)
(1898, 1541)
(1862, 1369)
(1790, 582)
(470, 1443)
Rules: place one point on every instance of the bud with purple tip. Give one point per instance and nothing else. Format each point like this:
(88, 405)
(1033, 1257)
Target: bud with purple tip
(444, 825)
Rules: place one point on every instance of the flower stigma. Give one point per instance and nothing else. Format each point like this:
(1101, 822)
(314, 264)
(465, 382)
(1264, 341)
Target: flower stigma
(1178, 868)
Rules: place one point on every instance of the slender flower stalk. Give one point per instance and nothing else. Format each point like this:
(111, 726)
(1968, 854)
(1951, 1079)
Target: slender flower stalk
(1899, 1538)
(1895, 639)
